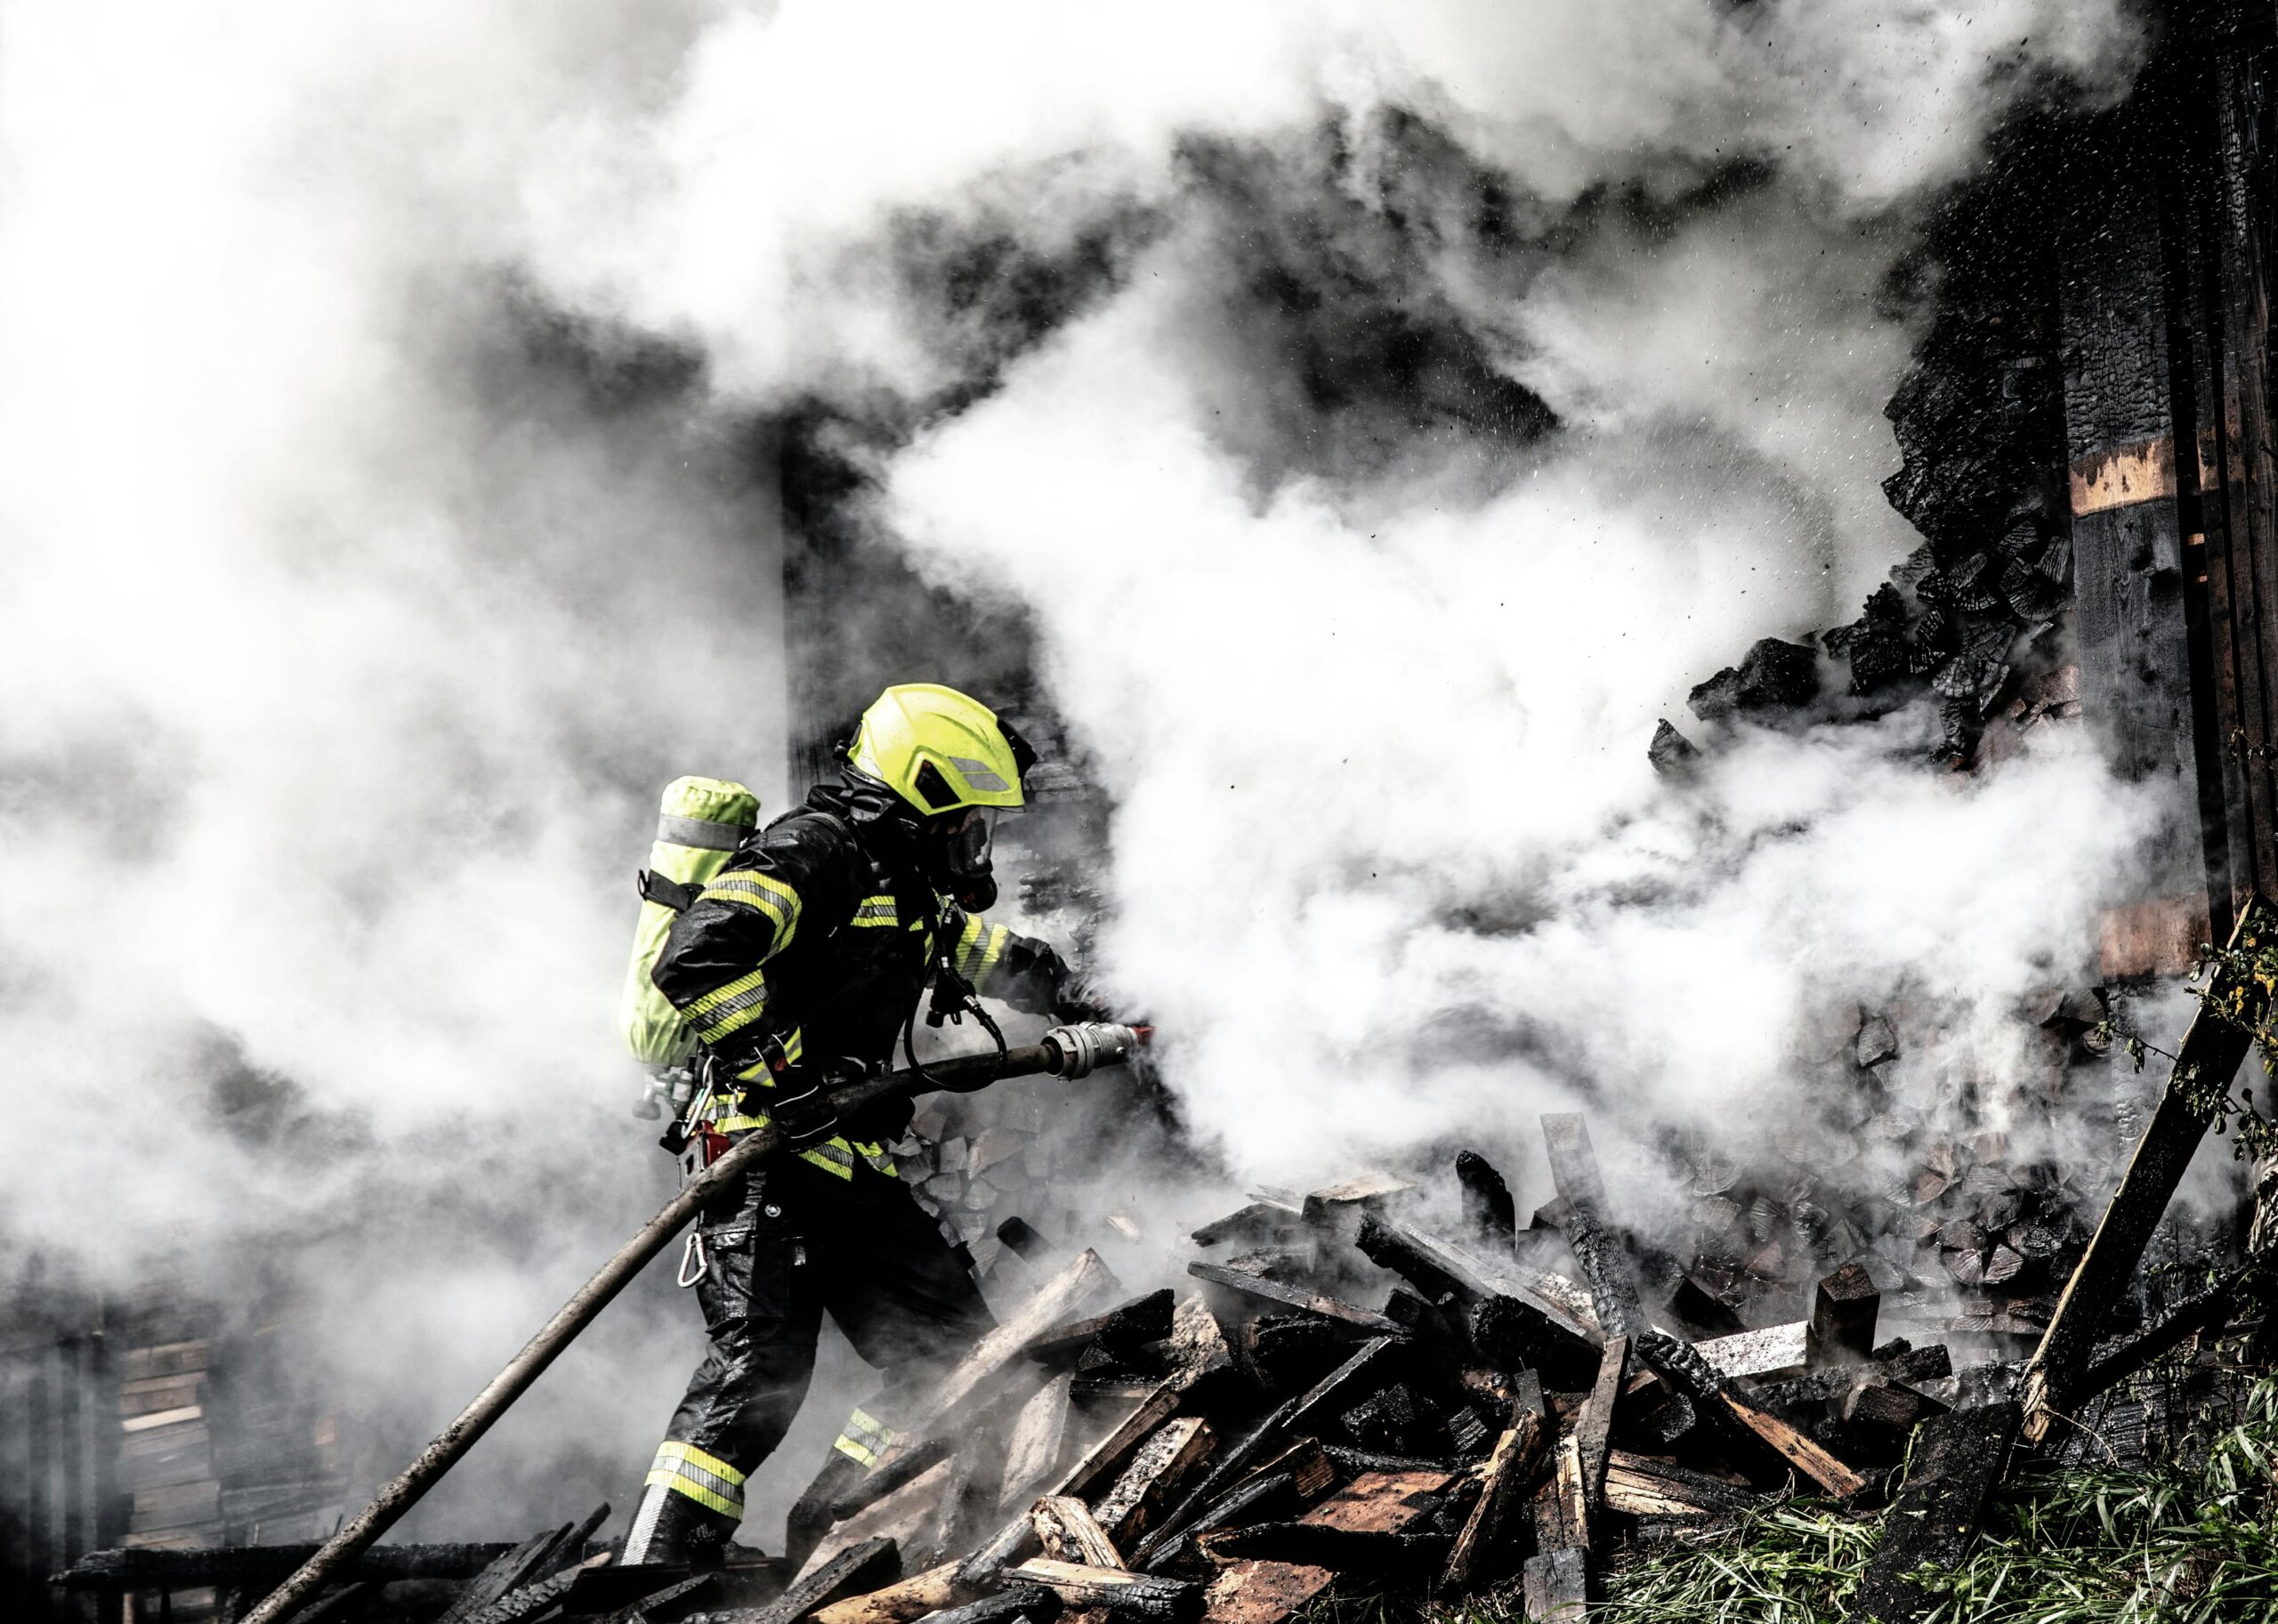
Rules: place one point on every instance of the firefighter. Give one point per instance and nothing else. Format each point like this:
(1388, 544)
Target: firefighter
(800, 962)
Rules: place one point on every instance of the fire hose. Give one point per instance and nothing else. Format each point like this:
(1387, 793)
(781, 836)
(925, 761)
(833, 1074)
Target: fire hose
(1068, 1051)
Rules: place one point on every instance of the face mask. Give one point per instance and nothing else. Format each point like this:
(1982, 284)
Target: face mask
(965, 849)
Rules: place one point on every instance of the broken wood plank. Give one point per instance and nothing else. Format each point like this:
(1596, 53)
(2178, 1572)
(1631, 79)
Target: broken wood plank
(1033, 1603)
(1589, 1231)
(853, 1571)
(1772, 1352)
(1561, 1513)
(1436, 1266)
(904, 1517)
(1798, 1448)
(2210, 1055)
(1557, 1585)
(1593, 1424)
(1957, 1460)
(1842, 1326)
(1038, 1440)
(1489, 1211)
(1016, 1537)
(1263, 1592)
(1293, 1297)
(1646, 1486)
(969, 1498)
(1118, 1590)
(1680, 1364)
(1159, 1468)
(898, 1604)
(1369, 1190)
(2117, 1358)
(1143, 1319)
(1069, 1532)
(1510, 1466)
(1199, 1346)
(1378, 1552)
(1075, 1289)
(669, 1601)
(1234, 1463)
(1260, 1223)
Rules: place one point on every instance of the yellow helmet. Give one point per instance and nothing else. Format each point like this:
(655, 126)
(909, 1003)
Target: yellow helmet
(939, 749)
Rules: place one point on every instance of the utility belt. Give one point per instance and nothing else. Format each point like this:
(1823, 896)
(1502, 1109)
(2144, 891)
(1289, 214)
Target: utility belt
(768, 1085)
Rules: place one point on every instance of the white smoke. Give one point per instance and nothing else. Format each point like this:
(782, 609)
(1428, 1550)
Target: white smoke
(351, 620)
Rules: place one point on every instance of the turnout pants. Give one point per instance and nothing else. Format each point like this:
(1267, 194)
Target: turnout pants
(798, 1243)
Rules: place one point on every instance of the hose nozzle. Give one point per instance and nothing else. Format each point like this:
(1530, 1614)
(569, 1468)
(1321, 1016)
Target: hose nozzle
(1085, 1046)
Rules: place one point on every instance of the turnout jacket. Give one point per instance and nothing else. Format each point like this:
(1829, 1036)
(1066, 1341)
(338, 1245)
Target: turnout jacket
(817, 934)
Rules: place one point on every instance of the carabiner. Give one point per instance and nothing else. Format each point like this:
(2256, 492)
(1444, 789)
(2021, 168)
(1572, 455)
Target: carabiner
(691, 1258)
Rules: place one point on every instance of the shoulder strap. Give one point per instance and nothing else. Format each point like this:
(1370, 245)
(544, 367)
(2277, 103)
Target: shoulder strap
(667, 892)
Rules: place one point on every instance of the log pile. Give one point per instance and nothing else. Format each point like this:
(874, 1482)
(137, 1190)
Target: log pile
(1397, 1389)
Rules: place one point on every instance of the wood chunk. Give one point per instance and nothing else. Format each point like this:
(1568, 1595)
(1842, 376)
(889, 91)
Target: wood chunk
(1646, 1486)
(1260, 1223)
(1084, 1282)
(904, 1518)
(1488, 1209)
(668, 1602)
(1143, 1319)
(1069, 1532)
(1198, 1342)
(969, 1498)
(1564, 1521)
(898, 1604)
(1797, 1447)
(1594, 1423)
(1292, 1296)
(1843, 1317)
(852, 1571)
(1311, 1472)
(1033, 1603)
(1263, 1592)
(1157, 1470)
(1958, 1459)
(1039, 1438)
(1597, 1245)
(1774, 1352)
(1369, 1190)
(1557, 1585)
(2211, 1051)
(1378, 1552)
(1118, 1590)
(1509, 1467)
(2117, 1358)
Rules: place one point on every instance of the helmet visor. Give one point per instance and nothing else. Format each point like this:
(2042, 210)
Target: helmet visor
(967, 842)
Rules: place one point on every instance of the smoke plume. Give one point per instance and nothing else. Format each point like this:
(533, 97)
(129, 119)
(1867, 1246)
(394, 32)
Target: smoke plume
(1447, 391)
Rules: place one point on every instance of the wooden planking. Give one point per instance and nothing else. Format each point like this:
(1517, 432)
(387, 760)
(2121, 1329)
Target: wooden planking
(1510, 1466)
(898, 1604)
(1263, 1592)
(1068, 1531)
(1038, 1441)
(1772, 1352)
(1159, 1468)
(1118, 1590)
(1594, 1423)
(1957, 1458)
(1293, 1297)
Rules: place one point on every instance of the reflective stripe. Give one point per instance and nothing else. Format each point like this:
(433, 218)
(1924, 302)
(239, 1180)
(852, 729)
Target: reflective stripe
(734, 1021)
(700, 833)
(763, 892)
(876, 911)
(706, 1479)
(979, 948)
(729, 1009)
(865, 1439)
(708, 1002)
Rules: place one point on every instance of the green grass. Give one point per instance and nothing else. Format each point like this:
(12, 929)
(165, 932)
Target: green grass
(2178, 1544)
(2191, 1543)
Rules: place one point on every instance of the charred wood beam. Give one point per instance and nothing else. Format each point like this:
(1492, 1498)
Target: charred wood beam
(1294, 1297)
(1116, 1591)
(1597, 1243)
(2210, 1055)
(159, 1570)
(1958, 1459)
